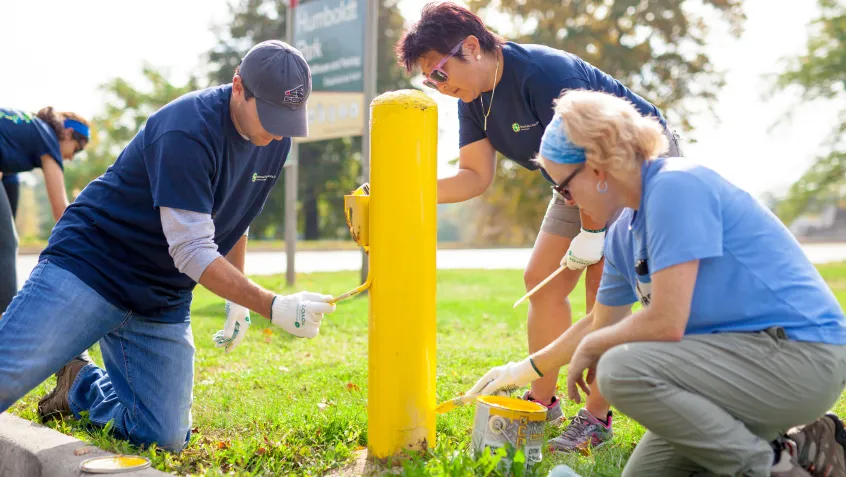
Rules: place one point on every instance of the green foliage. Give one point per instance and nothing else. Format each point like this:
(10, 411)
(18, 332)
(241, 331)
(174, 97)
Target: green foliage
(279, 405)
(126, 109)
(820, 73)
(655, 48)
(328, 169)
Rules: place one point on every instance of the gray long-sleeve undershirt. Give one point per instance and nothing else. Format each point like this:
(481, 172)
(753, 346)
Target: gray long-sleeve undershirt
(190, 239)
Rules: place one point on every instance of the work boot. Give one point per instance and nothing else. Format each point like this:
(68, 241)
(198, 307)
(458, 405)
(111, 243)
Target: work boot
(787, 464)
(554, 414)
(820, 446)
(585, 431)
(55, 404)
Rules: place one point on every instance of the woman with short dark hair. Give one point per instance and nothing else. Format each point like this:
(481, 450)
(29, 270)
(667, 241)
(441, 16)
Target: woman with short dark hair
(505, 93)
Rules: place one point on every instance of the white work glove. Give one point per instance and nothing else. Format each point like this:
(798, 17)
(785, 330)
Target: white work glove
(237, 323)
(300, 314)
(505, 378)
(585, 250)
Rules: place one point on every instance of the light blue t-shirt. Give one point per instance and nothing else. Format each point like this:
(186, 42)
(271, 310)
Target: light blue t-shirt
(753, 274)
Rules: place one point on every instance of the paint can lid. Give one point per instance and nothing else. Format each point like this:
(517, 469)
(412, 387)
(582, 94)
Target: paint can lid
(114, 464)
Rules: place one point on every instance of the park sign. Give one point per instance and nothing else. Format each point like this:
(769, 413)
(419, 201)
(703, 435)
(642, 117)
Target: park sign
(330, 35)
(333, 115)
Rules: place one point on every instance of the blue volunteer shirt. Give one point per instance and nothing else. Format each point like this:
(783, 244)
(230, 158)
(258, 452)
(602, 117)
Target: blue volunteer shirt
(753, 274)
(533, 76)
(24, 138)
(187, 156)
(11, 179)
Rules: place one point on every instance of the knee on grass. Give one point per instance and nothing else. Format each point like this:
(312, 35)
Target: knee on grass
(173, 438)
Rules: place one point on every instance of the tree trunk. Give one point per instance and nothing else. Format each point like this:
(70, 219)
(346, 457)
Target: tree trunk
(312, 224)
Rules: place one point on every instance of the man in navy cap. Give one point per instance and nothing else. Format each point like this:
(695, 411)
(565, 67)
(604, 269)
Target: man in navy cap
(121, 264)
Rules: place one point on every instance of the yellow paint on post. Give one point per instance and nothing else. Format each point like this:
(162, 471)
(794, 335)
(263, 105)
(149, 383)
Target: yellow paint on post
(403, 241)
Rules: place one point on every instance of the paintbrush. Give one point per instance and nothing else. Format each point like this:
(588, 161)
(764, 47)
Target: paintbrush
(540, 285)
(459, 401)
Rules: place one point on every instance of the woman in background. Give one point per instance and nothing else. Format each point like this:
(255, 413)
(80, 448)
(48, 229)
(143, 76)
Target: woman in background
(27, 142)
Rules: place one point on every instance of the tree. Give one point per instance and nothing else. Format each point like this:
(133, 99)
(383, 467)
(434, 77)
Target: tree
(820, 73)
(327, 169)
(127, 108)
(655, 48)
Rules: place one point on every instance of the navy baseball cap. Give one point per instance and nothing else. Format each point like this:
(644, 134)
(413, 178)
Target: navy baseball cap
(279, 77)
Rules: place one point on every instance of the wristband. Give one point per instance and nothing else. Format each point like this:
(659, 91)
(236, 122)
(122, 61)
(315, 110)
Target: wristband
(535, 367)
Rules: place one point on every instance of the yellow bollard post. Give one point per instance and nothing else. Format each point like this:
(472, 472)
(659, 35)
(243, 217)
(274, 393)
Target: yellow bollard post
(403, 242)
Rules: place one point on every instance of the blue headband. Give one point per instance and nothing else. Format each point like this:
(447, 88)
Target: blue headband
(77, 126)
(556, 147)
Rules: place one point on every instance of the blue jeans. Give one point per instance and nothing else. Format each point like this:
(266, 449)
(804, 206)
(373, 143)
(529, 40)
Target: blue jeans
(146, 386)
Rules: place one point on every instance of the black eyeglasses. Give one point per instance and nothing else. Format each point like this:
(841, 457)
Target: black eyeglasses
(80, 140)
(562, 187)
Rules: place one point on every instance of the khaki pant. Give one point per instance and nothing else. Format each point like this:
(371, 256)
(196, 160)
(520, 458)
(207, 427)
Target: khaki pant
(714, 402)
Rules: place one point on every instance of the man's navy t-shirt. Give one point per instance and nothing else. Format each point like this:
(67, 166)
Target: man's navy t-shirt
(187, 156)
(24, 138)
(533, 76)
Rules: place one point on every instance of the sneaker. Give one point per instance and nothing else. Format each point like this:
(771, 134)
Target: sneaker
(55, 404)
(821, 446)
(788, 463)
(584, 431)
(554, 414)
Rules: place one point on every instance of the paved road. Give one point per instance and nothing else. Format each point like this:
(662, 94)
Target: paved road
(268, 263)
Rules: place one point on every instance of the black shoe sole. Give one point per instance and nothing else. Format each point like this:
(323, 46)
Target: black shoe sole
(839, 430)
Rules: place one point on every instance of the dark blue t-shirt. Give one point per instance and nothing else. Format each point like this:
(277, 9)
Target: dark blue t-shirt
(532, 77)
(11, 179)
(187, 156)
(24, 138)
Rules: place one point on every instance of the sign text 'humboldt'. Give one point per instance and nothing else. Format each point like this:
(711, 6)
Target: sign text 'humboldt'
(330, 34)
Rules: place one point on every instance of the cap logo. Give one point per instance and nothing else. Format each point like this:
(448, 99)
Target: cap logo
(295, 95)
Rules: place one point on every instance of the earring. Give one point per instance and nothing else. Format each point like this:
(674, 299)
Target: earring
(602, 187)
(478, 57)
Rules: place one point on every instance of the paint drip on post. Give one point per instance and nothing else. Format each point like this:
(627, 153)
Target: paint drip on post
(503, 421)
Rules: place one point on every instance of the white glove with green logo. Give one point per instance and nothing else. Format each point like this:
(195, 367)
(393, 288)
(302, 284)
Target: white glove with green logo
(300, 314)
(506, 378)
(585, 249)
(237, 323)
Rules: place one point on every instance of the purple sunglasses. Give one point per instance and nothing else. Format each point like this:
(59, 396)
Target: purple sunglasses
(438, 75)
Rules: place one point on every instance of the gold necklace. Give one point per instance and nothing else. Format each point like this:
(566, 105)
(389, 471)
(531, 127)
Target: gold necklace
(493, 92)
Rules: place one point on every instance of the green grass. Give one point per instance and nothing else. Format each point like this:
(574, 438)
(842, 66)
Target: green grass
(256, 409)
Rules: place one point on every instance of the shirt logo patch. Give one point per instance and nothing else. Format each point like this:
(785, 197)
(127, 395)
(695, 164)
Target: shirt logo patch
(258, 178)
(17, 118)
(295, 95)
(516, 127)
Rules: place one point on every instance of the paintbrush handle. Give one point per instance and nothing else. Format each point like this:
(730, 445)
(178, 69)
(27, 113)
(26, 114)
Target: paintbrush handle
(540, 285)
(453, 403)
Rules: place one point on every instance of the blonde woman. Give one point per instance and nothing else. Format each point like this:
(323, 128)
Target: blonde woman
(738, 339)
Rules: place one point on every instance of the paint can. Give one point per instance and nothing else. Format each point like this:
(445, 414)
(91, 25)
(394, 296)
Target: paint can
(500, 421)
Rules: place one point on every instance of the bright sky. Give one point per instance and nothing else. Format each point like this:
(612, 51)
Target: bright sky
(58, 53)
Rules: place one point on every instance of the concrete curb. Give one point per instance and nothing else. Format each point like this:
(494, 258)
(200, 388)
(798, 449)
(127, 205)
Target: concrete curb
(28, 449)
